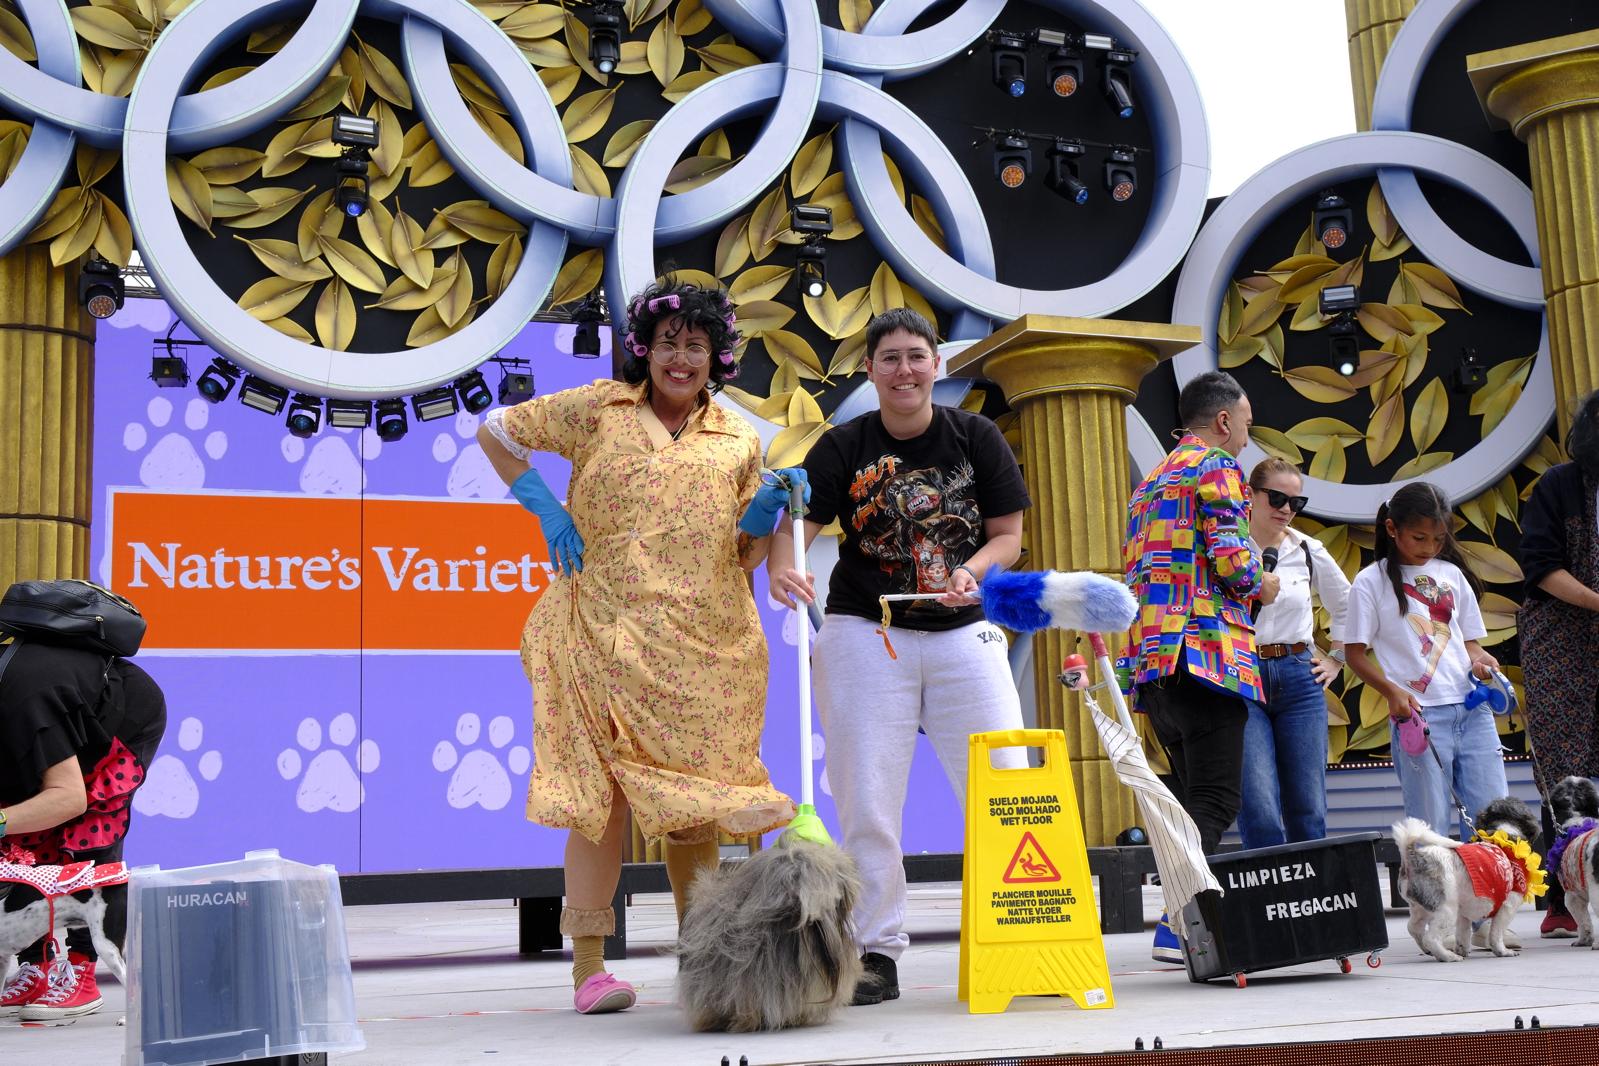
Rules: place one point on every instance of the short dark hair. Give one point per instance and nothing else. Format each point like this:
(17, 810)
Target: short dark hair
(686, 306)
(899, 318)
(1582, 439)
(1204, 396)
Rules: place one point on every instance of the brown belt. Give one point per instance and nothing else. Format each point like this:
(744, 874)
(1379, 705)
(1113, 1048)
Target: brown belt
(1279, 651)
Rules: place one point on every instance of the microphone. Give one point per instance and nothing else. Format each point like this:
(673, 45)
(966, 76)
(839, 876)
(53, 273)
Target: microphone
(1268, 559)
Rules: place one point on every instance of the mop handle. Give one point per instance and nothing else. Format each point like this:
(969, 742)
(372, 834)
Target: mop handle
(1107, 671)
(894, 597)
(796, 511)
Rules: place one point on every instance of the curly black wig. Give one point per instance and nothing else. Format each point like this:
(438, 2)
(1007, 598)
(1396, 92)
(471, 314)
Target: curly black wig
(682, 306)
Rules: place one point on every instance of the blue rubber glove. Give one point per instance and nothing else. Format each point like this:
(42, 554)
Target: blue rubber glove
(566, 547)
(771, 499)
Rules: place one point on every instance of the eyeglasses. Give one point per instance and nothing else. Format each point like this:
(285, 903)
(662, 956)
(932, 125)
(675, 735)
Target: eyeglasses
(915, 358)
(1282, 499)
(693, 355)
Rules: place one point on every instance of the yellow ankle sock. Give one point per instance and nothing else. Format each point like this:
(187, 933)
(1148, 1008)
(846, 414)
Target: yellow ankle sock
(684, 863)
(588, 958)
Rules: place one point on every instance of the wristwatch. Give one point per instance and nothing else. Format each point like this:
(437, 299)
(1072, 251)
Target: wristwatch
(2, 823)
(1337, 654)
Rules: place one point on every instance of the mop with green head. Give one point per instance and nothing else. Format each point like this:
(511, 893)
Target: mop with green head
(806, 824)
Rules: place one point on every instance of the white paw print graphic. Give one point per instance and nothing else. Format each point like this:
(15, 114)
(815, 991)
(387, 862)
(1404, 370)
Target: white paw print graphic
(169, 788)
(471, 474)
(330, 781)
(172, 461)
(331, 465)
(480, 778)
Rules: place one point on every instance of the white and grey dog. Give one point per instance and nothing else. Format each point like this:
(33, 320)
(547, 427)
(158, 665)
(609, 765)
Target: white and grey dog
(1450, 884)
(1574, 853)
(25, 919)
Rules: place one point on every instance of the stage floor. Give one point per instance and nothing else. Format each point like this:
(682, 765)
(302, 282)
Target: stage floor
(441, 983)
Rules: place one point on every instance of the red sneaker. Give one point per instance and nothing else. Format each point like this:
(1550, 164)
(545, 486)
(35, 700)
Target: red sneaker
(73, 992)
(1557, 925)
(26, 985)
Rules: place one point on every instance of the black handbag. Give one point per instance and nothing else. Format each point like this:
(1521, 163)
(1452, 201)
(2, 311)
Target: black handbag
(74, 614)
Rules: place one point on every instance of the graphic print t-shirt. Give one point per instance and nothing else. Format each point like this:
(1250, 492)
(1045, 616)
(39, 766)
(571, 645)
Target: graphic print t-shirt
(1424, 652)
(911, 510)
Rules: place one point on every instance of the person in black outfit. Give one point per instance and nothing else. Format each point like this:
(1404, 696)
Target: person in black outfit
(78, 729)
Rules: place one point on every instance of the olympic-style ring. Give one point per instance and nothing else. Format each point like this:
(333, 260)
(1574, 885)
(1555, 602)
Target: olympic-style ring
(32, 186)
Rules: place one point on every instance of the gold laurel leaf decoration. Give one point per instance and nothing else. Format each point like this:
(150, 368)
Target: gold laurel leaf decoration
(1432, 286)
(577, 277)
(551, 52)
(885, 291)
(1386, 429)
(319, 220)
(353, 265)
(190, 192)
(281, 157)
(284, 260)
(559, 82)
(390, 152)
(894, 176)
(504, 260)
(785, 378)
(1383, 322)
(665, 52)
(11, 148)
(1428, 415)
(1308, 244)
(65, 212)
(577, 42)
(1277, 443)
(625, 141)
(695, 171)
(269, 40)
(587, 115)
(1329, 463)
(405, 241)
(635, 10)
(1260, 313)
(587, 174)
(350, 64)
(290, 328)
(652, 9)
(775, 408)
(853, 311)
(733, 247)
(1281, 271)
(846, 224)
(531, 22)
(457, 300)
(495, 10)
(1481, 513)
(769, 218)
(784, 346)
(477, 219)
(15, 38)
(811, 163)
(429, 327)
(114, 237)
(1422, 321)
(634, 58)
(335, 316)
(1231, 315)
(273, 297)
(429, 167)
(93, 164)
(1238, 351)
(760, 283)
(323, 98)
(317, 141)
(1403, 290)
(852, 14)
(684, 84)
(374, 225)
(120, 72)
(222, 77)
(803, 408)
(1373, 365)
(716, 145)
(403, 294)
(849, 356)
(1305, 282)
(1322, 384)
(1423, 464)
(691, 18)
(790, 447)
(1381, 220)
(1493, 565)
(383, 77)
(923, 213)
(761, 316)
(724, 58)
(94, 59)
(690, 276)
(1313, 433)
(1381, 252)
(1271, 348)
(1352, 272)
(228, 166)
(271, 204)
(474, 89)
(108, 28)
(1498, 611)
(916, 302)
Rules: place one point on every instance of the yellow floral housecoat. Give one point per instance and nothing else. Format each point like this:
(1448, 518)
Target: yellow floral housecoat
(648, 667)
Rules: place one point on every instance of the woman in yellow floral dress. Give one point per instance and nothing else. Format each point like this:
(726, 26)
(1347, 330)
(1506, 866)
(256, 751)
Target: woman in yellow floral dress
(646, 653)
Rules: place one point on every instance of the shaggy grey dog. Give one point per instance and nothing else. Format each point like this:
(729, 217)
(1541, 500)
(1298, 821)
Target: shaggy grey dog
(1572, 802)
(766, 942)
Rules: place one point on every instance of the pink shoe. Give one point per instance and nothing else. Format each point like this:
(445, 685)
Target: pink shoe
(603, 994)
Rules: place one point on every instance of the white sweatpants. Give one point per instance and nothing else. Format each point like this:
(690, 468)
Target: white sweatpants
(951, 684)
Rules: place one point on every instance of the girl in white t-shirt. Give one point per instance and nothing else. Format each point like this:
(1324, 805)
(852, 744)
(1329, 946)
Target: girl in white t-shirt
(1415, 609)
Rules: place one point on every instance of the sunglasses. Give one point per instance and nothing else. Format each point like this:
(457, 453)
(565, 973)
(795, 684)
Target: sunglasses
(1282, 499)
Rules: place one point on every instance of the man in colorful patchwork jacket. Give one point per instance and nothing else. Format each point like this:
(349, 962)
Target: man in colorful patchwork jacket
(1188, 560)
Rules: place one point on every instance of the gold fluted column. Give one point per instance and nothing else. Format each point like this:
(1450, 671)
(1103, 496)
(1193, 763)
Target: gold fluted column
(1373, 25)
(1071, 379)
(46, 419)
(1547, 92)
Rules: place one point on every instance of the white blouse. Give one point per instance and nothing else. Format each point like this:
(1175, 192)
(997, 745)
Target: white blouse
(1289, 619)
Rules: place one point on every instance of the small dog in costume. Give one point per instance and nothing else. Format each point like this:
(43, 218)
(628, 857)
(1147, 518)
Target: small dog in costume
(35, 899)
(1450, 884)
(1574, 853)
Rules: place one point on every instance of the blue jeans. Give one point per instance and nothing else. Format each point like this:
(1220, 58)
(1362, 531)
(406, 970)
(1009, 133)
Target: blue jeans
(1285, 757)
(1467, 744)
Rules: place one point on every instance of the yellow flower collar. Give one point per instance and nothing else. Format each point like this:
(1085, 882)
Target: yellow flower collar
(1520, 852)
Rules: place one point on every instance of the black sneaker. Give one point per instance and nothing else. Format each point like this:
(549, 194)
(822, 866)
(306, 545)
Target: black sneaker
(881, 981)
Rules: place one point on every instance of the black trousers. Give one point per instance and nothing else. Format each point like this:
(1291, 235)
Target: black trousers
(1202, 730)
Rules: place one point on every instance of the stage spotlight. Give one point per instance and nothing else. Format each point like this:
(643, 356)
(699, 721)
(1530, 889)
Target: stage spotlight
(1009, 55)
(391, 420)
(586, 338)
(305, 415)
(1064, 68)
(1064, 176)
(516, 381)
(1331, 220)
(357, 136)
(100, 288)
(474, 393)
(1013, 160)
(169, 371)
(349, 414)
(217, 380)
(1121, 175)
(262, 395)
(814, 223)
(1118, 78)
(1338, 299)
(1470, 372)
(435, 403)
(605, 35)
(1340, 302)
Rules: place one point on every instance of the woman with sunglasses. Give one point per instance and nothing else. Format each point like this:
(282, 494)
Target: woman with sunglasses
(1285, 739)
(646, 653)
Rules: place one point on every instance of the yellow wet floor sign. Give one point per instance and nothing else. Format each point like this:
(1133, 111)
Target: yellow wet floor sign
(1028, 922)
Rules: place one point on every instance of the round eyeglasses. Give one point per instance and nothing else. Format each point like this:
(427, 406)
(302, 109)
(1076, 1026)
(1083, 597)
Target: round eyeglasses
(694, 355)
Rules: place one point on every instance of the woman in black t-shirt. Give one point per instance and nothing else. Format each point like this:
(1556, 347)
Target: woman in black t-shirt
(928, 498)
(77, 732)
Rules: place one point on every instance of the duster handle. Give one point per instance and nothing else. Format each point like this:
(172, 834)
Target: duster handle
(1107, 670)
(802, 645)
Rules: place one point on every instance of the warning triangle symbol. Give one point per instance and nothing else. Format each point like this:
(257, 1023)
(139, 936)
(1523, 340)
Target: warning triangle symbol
(1030, 865)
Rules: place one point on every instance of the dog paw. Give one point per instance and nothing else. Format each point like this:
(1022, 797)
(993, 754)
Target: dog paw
(480, 778)
(330, 781)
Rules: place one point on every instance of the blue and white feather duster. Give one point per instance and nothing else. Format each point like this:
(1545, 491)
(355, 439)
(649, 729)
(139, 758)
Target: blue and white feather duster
(1029, 600)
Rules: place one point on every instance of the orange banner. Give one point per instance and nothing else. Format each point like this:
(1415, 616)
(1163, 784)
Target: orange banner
(275, 573)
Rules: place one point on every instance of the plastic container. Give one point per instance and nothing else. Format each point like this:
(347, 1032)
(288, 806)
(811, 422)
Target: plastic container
(1288, 905)
(237, 962)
